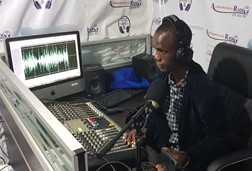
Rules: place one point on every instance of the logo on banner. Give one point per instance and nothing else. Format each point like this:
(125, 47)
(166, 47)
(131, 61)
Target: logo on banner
(5, 35)
(185, 5)
(196, 27)
(223, 37)
(157, 20)
(124, 3)
(39, 4)
(124, 24)
(93, 30)
(234, 10)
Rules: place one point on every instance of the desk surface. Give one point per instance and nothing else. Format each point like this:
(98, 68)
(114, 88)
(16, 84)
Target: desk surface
(128, 107)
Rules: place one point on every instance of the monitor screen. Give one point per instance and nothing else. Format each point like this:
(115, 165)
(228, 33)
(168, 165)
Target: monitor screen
(48, 64)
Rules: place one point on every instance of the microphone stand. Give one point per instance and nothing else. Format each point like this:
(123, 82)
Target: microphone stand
(112, 142)
(139, 140)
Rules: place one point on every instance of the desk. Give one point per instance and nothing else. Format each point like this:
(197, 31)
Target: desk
(119, 118)
(128, 106)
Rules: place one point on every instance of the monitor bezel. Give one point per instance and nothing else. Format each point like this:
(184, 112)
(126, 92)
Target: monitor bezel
(13, 39)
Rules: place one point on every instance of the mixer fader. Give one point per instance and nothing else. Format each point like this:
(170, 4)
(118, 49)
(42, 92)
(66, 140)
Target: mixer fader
(92, 128)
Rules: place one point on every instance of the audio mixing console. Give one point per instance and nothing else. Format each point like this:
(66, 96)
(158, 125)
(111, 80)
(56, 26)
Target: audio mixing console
(92, 128)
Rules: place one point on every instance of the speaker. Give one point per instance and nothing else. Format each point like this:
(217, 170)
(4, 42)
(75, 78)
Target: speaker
(184, 53)
(94, 79)
(144, 66)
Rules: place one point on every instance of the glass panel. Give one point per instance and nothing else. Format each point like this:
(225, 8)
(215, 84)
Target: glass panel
(52, 149)
(112, 53)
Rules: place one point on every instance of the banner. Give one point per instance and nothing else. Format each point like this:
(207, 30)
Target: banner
(28, 17)
(211, 22)
(118, 18)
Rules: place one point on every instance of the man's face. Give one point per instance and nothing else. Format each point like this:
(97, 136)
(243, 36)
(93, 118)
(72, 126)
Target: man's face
(165, 45)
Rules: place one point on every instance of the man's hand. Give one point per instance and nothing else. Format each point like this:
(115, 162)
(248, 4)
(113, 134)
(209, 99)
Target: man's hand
(130, 137)
(161, 167)
(180, 156)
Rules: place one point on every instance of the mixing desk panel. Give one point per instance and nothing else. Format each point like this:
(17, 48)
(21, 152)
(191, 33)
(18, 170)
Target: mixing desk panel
(92, 128)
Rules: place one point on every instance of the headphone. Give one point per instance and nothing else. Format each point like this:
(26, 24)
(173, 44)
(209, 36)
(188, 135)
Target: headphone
(184, 54)
(38, 5)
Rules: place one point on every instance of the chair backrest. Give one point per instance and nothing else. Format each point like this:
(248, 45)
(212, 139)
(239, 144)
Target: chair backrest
(231, 69)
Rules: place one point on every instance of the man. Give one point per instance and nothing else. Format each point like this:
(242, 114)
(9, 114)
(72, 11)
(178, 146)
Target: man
(190, 125)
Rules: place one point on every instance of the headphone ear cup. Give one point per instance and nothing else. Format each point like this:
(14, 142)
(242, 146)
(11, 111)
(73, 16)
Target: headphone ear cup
(48, 4)
(37, 5)
(188, 7)
(181, 6)
(189, 55)
(121, 29)
(128, 29)
(184, 55)
(179, 54)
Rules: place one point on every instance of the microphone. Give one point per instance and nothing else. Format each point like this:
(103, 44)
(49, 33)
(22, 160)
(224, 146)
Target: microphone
(154, 97)
(156, 93)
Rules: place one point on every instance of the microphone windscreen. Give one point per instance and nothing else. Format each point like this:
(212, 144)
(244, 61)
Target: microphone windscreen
(157, 91)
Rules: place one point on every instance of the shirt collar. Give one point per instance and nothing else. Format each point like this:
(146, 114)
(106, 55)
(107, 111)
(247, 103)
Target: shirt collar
(171, 80)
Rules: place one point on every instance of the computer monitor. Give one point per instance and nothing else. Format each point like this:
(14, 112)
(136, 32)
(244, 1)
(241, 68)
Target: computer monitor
(49, 64)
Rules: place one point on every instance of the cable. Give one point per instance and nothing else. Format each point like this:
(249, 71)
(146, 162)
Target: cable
(148, 164)
(1, 148)
(3, 160)
(110, 164)
(114, 162)
(133, 109)
(145, 122)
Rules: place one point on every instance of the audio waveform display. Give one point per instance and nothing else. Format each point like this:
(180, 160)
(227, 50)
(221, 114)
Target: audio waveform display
(48, 59)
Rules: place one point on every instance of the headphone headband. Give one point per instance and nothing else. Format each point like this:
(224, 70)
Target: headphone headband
(179, 28)
(184, 53)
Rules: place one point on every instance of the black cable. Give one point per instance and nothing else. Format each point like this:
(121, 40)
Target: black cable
(131, 109)
(1, 148)
(2, 159)
(112, 163)
(148, 164)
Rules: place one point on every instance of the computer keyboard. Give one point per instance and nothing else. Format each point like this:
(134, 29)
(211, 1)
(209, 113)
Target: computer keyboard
(117, 96)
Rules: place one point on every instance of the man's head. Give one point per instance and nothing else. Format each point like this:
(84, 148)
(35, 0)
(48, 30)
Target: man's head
(172, 43)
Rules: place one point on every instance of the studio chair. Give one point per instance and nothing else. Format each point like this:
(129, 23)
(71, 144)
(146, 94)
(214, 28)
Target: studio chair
(231, 69)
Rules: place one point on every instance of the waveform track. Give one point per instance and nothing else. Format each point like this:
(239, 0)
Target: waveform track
(47, 59)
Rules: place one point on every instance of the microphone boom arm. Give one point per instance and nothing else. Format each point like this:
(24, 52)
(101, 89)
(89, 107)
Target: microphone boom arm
(103, 151)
